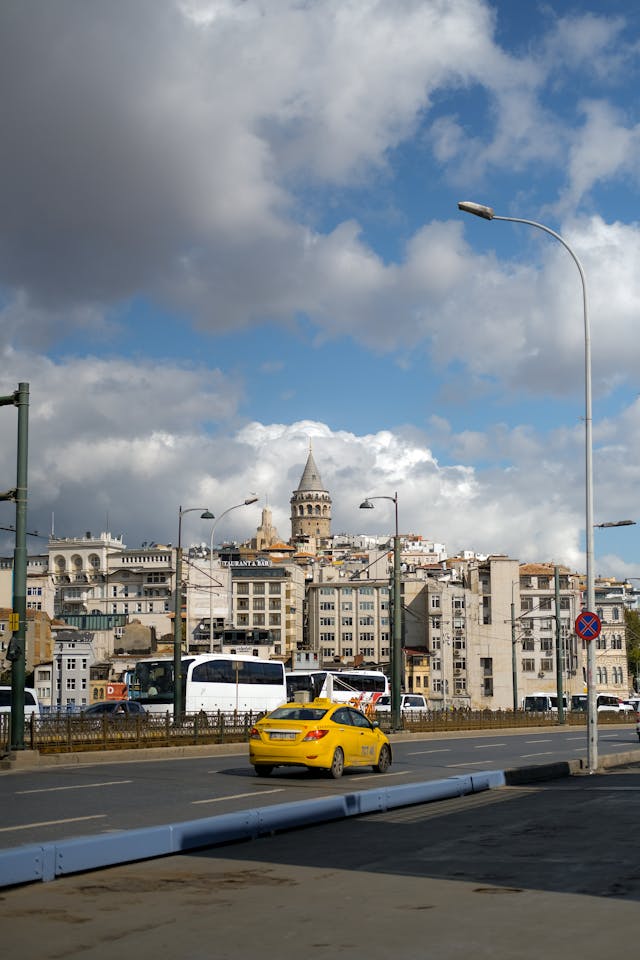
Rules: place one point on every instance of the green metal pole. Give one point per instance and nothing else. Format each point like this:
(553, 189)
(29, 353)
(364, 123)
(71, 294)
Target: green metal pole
(17, 653)
(560, 692)
(514, 658)
(396, 673)
(177, 630)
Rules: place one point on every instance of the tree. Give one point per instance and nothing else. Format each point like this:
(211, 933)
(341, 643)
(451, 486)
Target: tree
(632, 629)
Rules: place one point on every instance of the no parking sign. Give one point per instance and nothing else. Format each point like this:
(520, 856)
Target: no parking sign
(588, 625)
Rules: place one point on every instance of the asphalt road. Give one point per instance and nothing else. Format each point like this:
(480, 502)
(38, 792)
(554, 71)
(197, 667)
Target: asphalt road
(58, 802)
(548, 870)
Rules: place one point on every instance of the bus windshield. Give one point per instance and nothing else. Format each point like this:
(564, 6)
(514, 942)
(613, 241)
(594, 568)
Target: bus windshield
(152, 681)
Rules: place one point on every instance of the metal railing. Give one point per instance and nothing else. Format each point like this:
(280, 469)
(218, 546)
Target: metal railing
(75, 732)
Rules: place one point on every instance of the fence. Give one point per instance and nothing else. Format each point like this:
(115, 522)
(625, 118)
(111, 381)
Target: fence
(62, 733)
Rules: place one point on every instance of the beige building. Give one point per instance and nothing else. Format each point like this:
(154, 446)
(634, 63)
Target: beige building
(269, 596)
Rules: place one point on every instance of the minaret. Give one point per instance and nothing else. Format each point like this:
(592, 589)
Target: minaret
(310, 505)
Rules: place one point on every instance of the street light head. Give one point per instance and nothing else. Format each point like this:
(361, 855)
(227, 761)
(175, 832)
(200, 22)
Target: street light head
(477, 209)
(367, 505)
(616, 523)
(252, 499)
(207, 515)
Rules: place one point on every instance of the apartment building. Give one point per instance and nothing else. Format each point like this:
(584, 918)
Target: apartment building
(349, 620)
(269, 596)
(612, 675)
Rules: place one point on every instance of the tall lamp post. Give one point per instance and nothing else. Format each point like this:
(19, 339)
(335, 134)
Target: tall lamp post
(178, 705)
(480, 210)
(245, 503)
(396, 651)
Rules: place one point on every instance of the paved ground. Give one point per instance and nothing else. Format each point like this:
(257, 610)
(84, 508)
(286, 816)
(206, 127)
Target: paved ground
(540, 871)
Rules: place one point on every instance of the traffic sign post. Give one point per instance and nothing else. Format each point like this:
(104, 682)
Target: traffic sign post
(588, 627)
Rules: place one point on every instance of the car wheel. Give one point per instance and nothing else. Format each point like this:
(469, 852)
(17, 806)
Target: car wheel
(337, 764)
(263, 769)
(384, 759)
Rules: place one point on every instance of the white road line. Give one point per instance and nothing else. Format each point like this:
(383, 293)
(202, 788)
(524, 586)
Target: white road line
(419, 753)
(395, 773)
(574, 738)
(538, 741)
(75, 786)
(52, 823)
(240, 796)
(544, 753)
(473, 763)
(488, 746)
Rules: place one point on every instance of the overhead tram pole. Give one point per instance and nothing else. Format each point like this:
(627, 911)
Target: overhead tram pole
(16, 653)
(245, 503)
(486, 213)
(178, 705)
(396, 647)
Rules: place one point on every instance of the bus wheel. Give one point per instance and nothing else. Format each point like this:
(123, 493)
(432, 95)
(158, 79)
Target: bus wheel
(384, 759)
(337, 764)
(263, 769)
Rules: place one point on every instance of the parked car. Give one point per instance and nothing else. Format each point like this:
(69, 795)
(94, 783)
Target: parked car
(320, 734)
(115, 709)
(409, 703)
(31, 702)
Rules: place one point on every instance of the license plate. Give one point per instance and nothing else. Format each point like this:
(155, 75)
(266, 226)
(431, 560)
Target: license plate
(281, 735)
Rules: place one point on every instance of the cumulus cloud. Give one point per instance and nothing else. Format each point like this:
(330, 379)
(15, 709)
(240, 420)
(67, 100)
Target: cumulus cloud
(177, 153)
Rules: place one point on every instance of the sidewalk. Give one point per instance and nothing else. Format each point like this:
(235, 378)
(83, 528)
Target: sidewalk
(540, 870)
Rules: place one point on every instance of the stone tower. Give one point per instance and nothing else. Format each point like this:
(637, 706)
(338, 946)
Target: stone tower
(310, 506)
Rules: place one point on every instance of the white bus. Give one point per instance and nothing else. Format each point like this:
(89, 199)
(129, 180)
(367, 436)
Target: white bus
(344, 686)
(543, 702)
(210, 682)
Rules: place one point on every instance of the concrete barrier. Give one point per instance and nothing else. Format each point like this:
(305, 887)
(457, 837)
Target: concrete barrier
(47, 861)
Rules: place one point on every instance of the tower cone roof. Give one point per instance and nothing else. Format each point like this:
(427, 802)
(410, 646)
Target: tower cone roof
(310, 479)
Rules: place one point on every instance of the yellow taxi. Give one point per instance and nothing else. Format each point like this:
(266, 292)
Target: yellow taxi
(321, 734)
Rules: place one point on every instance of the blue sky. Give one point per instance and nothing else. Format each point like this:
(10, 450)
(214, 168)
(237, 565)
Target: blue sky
(231, 228)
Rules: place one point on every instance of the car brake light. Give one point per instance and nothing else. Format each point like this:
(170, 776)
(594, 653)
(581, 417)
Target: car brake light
(316, 735)
(255, 734)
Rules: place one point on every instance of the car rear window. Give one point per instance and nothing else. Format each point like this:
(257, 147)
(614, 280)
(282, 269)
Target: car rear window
(298, 713)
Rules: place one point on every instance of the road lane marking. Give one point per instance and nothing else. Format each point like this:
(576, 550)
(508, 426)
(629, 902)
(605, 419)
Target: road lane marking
(75, 786)
(52, 823)
(419, 753)
(240, 796)
(539, 741)
(544, 753)
(471, 763)
(394, 773)
(488, 746)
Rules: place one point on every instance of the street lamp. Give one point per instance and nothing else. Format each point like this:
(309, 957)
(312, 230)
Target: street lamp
(480, 210)
(396, 658)
(245, 503)
(177, 617)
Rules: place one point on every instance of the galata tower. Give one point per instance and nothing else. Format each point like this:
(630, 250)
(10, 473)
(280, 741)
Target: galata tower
(310, 505)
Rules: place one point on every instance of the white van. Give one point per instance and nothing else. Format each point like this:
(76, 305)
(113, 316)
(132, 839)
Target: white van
(409, 703)
(31, 702)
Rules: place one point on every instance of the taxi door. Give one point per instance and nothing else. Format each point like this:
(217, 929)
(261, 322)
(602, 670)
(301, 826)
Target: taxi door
(348, 735)
(364, 739)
